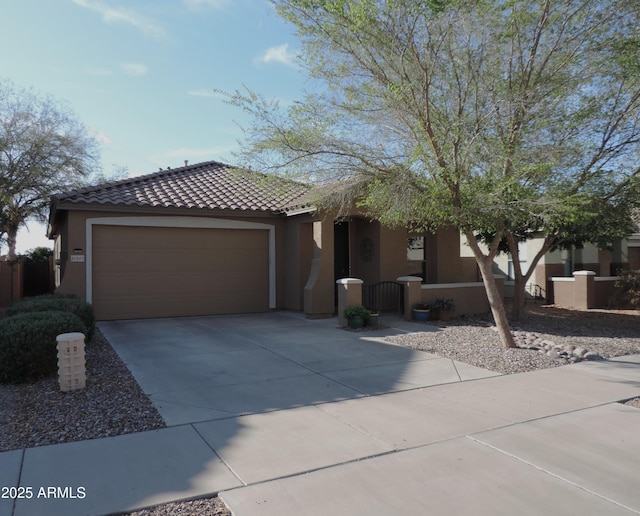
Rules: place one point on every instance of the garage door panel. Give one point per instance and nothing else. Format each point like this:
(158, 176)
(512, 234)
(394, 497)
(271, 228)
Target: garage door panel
(157, 272)
(186, 285)
(127, 308)
(149, 263)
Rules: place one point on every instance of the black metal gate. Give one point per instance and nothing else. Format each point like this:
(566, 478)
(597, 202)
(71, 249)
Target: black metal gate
(386, 296)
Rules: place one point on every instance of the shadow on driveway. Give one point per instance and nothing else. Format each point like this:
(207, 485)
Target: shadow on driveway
(207, 368)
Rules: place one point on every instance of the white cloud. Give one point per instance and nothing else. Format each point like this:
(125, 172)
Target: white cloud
(203, 92)
(213, 4)
(122, 15)
(278, 54)
(135, 69)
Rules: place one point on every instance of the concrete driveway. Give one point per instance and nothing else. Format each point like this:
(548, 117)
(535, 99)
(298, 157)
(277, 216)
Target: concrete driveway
(274, 413)
(208, 368)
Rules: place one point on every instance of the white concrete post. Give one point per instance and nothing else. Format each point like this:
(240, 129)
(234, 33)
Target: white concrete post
(71, 362)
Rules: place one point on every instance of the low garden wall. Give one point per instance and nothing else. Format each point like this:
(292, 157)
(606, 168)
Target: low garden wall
(584, 290)
(469, 298)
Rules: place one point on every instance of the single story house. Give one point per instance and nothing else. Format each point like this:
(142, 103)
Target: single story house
(210, 239)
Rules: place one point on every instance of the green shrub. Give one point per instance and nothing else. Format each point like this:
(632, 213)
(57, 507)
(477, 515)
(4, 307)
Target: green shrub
(28, 343)
(39, 254)
(57, 302)
(444, 304)
(356, 311)
(627, 293)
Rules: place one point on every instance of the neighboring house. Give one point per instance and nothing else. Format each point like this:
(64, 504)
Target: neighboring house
(633, 245)
(209, 239)
(563, 263)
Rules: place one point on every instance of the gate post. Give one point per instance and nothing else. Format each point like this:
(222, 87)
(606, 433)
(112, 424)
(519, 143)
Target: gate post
(584, 290)
(412, 294)
(349, 294)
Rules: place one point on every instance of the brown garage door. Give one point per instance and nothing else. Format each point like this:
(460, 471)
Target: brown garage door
(140, 272)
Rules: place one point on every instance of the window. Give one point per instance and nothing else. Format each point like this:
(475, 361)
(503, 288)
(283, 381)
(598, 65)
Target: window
(416, 256)
(522, 252)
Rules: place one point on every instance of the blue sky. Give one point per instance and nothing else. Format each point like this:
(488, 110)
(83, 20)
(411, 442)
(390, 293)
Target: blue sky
(142, 75)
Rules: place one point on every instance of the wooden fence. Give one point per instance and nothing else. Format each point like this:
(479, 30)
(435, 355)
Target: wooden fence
(24, 278)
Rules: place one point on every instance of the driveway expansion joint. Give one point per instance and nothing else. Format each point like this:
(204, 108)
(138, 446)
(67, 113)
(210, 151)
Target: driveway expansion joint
(551, 473)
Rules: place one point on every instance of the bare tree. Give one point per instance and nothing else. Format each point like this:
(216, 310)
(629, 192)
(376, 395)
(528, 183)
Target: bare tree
(502, 118)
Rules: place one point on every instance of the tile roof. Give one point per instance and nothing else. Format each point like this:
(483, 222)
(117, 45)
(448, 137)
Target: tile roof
(208, 185)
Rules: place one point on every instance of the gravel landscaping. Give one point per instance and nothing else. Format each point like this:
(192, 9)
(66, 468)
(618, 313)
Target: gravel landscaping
(474, 340)
(38, 414)
(555, 333)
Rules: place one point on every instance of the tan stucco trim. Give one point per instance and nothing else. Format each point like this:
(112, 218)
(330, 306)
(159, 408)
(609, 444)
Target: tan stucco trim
(434, 286)
(179, 222)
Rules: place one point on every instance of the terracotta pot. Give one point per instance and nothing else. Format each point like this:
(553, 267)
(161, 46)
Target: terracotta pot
(444, 315)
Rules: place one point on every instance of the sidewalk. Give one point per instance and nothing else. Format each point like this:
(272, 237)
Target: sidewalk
(545, 442)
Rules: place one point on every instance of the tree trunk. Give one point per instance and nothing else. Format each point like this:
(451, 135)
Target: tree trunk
(12, 237)
(496, 303)
(485, 263)
(519, 293)
(519, 298)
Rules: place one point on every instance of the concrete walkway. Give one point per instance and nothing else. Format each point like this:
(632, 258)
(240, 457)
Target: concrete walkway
(545, 442)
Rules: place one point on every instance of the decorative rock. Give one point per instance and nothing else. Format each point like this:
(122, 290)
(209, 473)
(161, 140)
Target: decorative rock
(533, 341)
(579, 352)
(591, 355)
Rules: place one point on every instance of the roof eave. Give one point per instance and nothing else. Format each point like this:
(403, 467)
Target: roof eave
(302, 210)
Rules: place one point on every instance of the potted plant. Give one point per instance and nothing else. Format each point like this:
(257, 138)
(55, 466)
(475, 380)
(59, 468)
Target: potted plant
(421, 312)
(444, 308)
(356, 316)
(372, 320)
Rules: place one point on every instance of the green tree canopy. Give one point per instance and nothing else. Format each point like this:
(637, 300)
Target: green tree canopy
(497, 117)
(43, 150)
